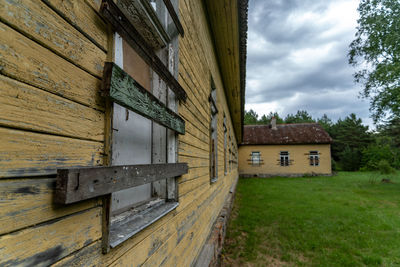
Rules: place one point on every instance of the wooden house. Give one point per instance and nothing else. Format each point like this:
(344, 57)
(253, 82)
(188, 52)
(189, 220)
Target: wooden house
(119, 127)
(285, 150)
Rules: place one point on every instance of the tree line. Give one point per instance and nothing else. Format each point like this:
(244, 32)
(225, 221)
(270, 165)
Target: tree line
(354, 146)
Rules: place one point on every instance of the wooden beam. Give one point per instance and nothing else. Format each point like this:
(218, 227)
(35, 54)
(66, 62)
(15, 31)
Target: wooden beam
(121, 24)
(174, 17)
(145, 20)
(75, 185)
(125, 91)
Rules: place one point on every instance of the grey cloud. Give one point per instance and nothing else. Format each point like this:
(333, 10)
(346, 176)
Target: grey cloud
(322, 85)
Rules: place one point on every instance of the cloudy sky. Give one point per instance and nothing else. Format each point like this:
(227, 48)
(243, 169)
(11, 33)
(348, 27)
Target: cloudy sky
(297, 58)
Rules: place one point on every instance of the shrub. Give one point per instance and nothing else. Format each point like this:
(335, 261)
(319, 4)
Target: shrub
(374, 153)
(350, 159)
(334, 165)
(385, 168)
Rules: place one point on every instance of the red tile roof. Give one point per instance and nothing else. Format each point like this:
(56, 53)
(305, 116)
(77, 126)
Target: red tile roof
(285, 134)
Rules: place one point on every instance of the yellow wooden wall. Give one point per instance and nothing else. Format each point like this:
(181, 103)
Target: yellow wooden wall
(53, 116)
(300, 163)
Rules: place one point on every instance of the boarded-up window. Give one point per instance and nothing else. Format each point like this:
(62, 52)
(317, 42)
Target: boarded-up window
(140, 140)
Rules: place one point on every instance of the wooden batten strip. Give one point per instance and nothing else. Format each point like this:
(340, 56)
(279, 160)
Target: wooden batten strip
(174, 16)
(121, 24)
(125, 91)
(75, 185)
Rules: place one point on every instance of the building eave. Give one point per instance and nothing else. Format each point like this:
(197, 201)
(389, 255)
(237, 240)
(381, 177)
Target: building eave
(228, 22)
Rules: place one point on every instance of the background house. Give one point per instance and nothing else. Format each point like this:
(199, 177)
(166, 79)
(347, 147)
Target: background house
(284, 150)
(124, 163)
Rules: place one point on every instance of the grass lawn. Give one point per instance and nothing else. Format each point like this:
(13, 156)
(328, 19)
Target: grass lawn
(351, 219)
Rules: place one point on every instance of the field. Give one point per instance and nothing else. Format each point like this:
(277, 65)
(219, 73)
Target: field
(351, 219)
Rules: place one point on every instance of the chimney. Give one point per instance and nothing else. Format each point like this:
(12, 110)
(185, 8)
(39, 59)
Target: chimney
(273, 123)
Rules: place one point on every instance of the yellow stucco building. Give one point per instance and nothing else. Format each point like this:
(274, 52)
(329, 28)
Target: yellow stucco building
(285, 150)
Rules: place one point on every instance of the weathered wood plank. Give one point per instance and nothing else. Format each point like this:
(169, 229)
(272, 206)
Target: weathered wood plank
(89, 256)
(193, 173)
(26, 154)
(50, 242)
(144, 19)
(82, 16)
(121, 24)
(197, 181)
(26, 202)
(153, 248)
(125, 91)
(26, 61)
(79, 184)
(30, 108)
(123, 230)
(37, 21)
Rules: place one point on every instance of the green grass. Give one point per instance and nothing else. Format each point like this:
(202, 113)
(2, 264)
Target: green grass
(351, 219)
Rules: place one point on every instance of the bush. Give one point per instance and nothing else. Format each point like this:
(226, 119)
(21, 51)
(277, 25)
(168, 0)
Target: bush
(385, 168)
(374, 154)
(350, 159)
(334, 165)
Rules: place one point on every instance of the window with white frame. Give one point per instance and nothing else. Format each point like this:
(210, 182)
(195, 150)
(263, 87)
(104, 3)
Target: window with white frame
(284, 158)
(255, 158)
(314, 158)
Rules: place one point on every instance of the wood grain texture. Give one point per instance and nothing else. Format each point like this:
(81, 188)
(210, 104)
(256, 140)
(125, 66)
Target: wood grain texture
(82, 16)
(125, 91)
(224, 23)
(79, 184)
(121, 24)
(30, 108)
(89, 256)
(142, 16)
(50, 242)
(37, 21)
(166, 239)
(174, 240)
(25, 153)
(26, 202)
(26, 61)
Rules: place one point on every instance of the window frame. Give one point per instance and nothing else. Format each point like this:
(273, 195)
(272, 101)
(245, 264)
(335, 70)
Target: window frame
(253, 155)
(213, 133)
(284, 158)
(314, 158)
(150, 210)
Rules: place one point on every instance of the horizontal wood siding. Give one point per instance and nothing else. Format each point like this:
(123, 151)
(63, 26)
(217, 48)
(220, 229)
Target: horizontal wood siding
(52, 55)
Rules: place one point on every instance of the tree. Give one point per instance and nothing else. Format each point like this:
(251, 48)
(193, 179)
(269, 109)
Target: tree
(326, 123)
(300, 117)
(376, 48)
(275, 115)
(380, 149)
(391, 129)
(250, 117)
(350, 137)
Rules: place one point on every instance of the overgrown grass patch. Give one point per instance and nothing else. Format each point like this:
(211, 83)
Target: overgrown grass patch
(352, 219)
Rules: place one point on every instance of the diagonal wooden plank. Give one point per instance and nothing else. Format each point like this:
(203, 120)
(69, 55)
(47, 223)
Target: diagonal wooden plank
(121, 24)
(125, 91)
